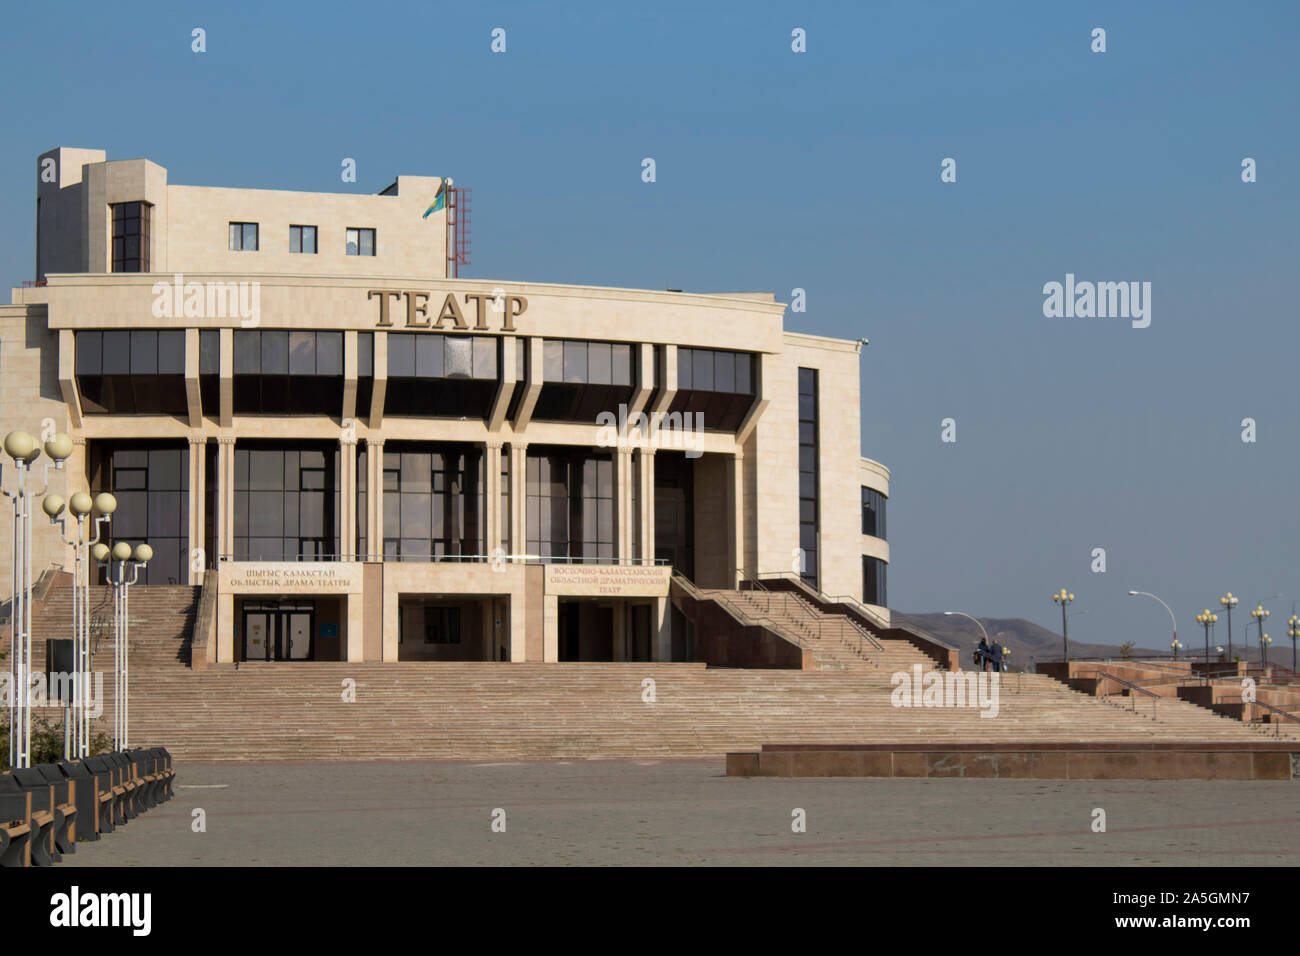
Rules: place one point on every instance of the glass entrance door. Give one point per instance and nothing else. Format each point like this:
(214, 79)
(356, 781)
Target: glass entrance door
(279, 632)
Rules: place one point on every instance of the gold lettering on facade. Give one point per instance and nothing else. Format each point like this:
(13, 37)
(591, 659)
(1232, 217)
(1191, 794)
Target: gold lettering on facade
(450, 310)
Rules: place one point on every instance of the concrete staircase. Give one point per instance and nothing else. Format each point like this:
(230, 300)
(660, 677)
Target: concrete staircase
(494, 711)
(836, 641)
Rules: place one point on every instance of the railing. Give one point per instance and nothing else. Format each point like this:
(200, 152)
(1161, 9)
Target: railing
(756, 581)
(1124, 683)
(742, 616)
(501, 558)
(1277, 726)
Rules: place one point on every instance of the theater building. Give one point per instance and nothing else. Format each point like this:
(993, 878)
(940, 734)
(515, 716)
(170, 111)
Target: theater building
(298, 403)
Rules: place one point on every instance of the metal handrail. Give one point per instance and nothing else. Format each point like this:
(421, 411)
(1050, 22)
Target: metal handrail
(451, 559)
(741, 615)
(1130, 685)
(756, 579)
(1277, 727)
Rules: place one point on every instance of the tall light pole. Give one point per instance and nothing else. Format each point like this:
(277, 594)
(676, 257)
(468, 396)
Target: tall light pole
(987, 642)
(1175, 645)
(1207, 620)
(24, 449)
(1063, 598)
(1264, 641)
(82, 508)
(1162, 604)
(122, 554)
(1229, 601)
(1260, 615)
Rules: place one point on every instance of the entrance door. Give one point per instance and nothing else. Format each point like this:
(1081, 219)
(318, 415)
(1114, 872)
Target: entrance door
(278, 632)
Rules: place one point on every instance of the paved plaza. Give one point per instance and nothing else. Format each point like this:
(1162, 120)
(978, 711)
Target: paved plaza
(689, 813)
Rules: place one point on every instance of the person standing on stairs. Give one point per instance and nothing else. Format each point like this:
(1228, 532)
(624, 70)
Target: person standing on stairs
(982, 655)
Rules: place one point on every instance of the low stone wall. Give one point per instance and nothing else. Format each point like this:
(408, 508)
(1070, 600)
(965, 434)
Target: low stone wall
(1030, 761)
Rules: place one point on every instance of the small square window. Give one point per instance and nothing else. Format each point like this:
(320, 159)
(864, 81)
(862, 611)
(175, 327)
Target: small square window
(302, 239)
(360, 242)
(243, 237)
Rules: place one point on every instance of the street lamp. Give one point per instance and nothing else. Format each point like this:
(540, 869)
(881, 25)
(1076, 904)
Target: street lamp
(1063, 598)
(1294, 631)
(24, 449)
(122, 554)
(987, 642)
(1264, 641)
(94, 511)
(1162, 603)
(1229, 601)
(1260, 615)
(1207, 620)
(1175, 645)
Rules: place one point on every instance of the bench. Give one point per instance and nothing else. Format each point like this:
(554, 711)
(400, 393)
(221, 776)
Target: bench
(64, 802)
(41, 818)
(110, 779)
(94, 802)
(15, 829)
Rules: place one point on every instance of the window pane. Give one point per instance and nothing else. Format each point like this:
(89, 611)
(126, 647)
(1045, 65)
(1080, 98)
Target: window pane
(302, 353)
(235, 237)
(90, 353)
(365, 353)
(553, 361)
(485, 357)
(621, 370)
(702, 370)
(367, 242)
(171, 352)
(459, 362)
(575, 362)
(144, 352)
(329, 353)
(684, 365)
(724, 372)
(275, 352)
(401, 354)
(117, 353)
(248, 352)
(351, 242)
(428, 356)
(250, 236)
(165, 470)
(309, 240)
(600, 363)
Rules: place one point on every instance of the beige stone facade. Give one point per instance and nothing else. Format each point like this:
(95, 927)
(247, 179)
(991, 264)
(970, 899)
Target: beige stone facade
(733, 501)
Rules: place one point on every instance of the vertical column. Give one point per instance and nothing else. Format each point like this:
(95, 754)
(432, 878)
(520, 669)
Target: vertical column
(198, 509)
(647, 516)
(518, 503)
(225, 496)
(663, 631)
(492, 495)
(623, 516)
(736, 517)
(348, 496)
(375, 498)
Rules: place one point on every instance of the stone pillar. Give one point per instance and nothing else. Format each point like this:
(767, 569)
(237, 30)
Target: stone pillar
(550, 629)
(647, 516)
(198, 509)
(375, 497)
(623, 515)
(492, 496)
(348, 496)
(518, 502)
(736, 518)
(225, 496)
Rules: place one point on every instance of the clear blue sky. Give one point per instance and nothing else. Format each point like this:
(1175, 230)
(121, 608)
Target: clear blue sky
(820, 170)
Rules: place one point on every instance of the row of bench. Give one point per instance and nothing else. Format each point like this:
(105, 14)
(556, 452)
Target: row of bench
(45, 810)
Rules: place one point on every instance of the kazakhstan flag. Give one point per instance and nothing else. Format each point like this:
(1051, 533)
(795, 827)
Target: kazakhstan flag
(439, 201)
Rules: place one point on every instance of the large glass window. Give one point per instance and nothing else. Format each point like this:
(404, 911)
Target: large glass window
(432, 375)
(570, 506)
(151, 484)
(288, 372)
(873, 581)
(873, 512)
(433, 501)
(286, 502)
(717, 385)
(131, 236)
(135, 371)
(582, 379)
(808, 473)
